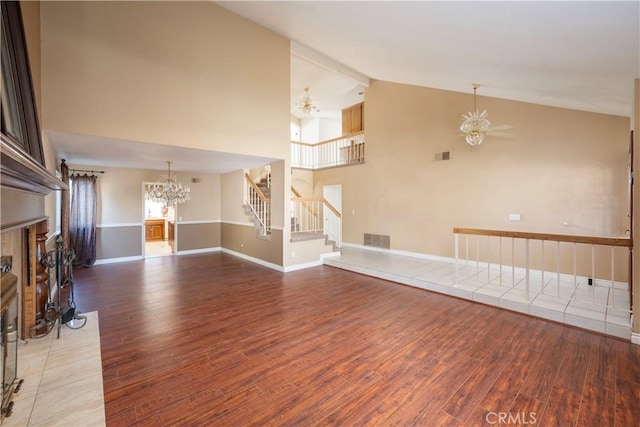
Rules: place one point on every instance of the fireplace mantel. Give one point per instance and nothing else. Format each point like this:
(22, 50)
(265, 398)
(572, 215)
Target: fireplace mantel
(22, 164)
(20, 171)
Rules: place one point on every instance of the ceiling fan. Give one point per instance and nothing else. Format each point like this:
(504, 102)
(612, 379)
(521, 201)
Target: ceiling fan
(475, 125)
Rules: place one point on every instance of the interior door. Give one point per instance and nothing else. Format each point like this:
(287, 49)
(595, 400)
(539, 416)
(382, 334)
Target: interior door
(333, 221)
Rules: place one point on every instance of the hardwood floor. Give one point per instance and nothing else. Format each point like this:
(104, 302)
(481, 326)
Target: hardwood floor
(215, 340)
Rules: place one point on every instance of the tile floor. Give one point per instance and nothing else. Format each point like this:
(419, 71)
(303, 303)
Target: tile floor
(154, 249)
(598, 308)
(62, 379)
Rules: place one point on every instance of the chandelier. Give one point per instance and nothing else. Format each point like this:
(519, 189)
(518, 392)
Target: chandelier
(306, 103)
(169, 192)
(474, 124)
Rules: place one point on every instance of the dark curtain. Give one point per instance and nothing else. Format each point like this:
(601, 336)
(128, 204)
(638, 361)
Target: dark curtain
(82, 221)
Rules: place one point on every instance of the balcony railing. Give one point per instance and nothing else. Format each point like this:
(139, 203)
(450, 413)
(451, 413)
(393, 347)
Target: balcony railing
(579, 268)
(344, 150)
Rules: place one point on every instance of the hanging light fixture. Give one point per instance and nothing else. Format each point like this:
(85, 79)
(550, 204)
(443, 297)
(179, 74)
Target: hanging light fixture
(306, 103)
(169, 192)
(474, 124)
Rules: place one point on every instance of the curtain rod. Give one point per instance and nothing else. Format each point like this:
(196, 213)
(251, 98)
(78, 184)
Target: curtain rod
(84, 170)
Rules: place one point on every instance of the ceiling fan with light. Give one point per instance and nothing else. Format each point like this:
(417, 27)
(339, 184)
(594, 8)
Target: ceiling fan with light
(475, 125)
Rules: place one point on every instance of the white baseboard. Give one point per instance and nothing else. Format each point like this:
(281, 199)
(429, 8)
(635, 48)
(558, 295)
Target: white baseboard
(297, 267)
(398, 252)
(635, 338)
(199, 251)
(121, 259)
(254, 260)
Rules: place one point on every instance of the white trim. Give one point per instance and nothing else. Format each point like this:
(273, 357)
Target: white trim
(206, 221)
(52, 237)
(136, 224)
(116, 260)
(401, 253)
(323, 61)
(302, 266)
(635, 338)
(254, 260)
(244, 224)
(122, 224)
(199, 251)
(297, 267)
(277, 227)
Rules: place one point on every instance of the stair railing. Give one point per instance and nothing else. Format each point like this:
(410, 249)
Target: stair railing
(315, 215)
(574, 268)
(344, 150)
(259, 204)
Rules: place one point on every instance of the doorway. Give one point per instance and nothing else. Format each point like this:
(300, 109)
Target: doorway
(159, 229)
(333, 222)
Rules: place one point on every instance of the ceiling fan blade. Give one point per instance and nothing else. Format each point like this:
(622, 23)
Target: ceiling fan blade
(500, 127)
(502, 134)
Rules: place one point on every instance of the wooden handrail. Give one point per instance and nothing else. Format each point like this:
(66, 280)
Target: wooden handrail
(316, 199)
(328, 141)
(607, 241)
(296, 192)
(255, 187)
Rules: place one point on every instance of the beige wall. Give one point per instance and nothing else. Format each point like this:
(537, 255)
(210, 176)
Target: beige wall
(242, 239)
(302, 180)
(232, 192)
(31, 20)
(177, 73)
(198, 236)
(121, 205)
(561, 166)
(118, 242)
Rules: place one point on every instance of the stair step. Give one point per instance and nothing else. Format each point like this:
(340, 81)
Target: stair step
(307, 235)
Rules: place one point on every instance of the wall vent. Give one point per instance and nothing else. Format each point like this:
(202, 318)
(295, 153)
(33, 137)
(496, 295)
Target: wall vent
(445, 155)
(377, 240)
(195, 180)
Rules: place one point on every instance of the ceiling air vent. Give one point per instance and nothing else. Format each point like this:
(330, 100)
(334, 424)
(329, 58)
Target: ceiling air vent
(445, 155)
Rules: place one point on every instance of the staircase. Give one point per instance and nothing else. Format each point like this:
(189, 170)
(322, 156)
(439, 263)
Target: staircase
(312, 235)
(258, 205)
(307, 219)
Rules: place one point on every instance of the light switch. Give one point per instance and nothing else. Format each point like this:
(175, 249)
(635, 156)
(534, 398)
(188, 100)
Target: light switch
(514, 217)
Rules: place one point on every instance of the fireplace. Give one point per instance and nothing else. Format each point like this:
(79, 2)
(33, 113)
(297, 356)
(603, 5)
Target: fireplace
(9, 337)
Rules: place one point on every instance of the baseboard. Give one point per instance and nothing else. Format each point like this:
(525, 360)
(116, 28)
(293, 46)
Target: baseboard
(254, 260)
(302, 266)
(115, 260)
(635, 338)
(199, 251)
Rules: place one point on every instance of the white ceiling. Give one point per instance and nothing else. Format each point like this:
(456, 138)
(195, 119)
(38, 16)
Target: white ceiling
(107, 152)
(580, 55)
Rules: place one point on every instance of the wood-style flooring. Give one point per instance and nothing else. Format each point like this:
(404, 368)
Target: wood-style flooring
(215, 340)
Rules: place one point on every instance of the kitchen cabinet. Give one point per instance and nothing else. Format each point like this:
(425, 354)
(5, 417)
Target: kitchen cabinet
(154, 230)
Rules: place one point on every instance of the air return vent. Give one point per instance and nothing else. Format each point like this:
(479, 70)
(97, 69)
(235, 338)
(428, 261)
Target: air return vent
(377, 240)
(445, 155)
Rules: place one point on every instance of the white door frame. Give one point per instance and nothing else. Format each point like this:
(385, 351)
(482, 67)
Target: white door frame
(332, 224)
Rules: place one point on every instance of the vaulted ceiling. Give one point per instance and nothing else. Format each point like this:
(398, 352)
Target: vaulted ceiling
(573, 54)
